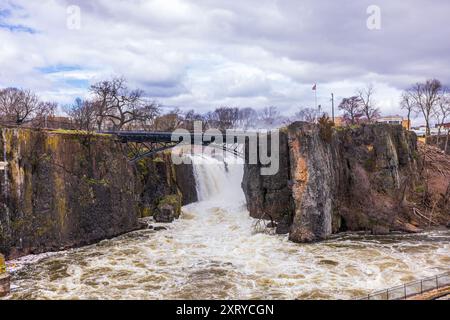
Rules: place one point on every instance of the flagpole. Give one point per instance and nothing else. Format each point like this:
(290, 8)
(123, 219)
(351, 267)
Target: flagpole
(332, 106)
(315, 96)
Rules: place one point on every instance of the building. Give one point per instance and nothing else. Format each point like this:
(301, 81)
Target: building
(395, 120)
(391, 119)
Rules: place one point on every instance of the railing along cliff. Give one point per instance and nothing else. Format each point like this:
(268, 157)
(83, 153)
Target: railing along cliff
(411, 289)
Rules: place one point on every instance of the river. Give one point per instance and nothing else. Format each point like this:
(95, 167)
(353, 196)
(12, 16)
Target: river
(216, 251)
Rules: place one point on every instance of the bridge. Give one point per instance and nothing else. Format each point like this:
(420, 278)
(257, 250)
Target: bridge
(143, 144)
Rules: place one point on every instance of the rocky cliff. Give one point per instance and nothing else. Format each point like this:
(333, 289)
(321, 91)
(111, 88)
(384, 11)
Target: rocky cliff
(338, 179)
(63, 189)
(269, 196)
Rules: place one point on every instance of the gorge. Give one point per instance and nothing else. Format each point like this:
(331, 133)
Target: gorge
(217, 248)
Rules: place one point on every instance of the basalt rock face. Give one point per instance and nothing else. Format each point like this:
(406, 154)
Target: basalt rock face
(61, 190)
(313, 175)
(377, 170)
(158, 178)
(340, 179)
(185, 180)
(269, 197)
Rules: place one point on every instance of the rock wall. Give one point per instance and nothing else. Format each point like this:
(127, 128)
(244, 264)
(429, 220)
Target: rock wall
(313, 173)
(60, 189)
(269, 197)
(338, 179)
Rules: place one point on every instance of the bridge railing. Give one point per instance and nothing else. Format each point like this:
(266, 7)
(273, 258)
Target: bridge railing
(411, 289)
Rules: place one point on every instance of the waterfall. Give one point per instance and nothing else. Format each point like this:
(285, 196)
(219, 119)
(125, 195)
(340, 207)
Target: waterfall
(217, 179)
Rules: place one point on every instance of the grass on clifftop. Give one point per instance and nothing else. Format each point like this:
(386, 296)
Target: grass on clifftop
(80, 132)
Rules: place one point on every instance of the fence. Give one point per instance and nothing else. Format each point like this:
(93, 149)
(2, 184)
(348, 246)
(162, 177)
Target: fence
(411, 289)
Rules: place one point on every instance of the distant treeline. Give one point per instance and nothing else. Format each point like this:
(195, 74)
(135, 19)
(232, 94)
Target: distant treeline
(112, 105)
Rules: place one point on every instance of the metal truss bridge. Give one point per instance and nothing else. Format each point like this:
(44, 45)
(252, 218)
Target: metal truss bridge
(143, 144)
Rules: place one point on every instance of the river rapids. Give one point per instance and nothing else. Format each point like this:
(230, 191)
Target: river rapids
(216, 251)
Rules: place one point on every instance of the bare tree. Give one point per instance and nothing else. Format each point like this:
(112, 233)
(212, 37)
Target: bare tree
(442, 111)
(102, 99)
(46, 110)
(269, 115)
(368, 108)
(308, 114)
(83, 114)
(190, 117)
(407, 103)
(223, 118)
(21, 106)
(426, 96)
(352, 108)
(148, 111)
(247, 118)
(120, 106)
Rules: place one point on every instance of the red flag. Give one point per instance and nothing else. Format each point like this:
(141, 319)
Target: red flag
(314, 87)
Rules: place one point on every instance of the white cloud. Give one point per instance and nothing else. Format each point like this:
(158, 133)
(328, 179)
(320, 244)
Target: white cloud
(201, 54)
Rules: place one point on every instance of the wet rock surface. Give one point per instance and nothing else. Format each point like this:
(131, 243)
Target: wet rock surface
(65, 189)
(166, 213)
(353, 179)
(269, 197)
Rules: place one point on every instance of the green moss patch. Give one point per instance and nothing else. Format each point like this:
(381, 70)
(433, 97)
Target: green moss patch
(174, 200)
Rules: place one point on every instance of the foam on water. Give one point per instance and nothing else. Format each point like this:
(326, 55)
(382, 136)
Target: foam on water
(212, 251)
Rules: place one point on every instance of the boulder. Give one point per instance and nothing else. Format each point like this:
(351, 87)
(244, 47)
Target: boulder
(283, 226)
(169, 209)
(165, 213)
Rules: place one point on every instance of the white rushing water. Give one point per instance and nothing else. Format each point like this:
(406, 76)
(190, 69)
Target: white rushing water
(213, 252)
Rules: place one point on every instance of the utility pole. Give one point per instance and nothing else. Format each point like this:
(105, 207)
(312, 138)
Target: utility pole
(332, 106)
(315, 94)
(315, 97)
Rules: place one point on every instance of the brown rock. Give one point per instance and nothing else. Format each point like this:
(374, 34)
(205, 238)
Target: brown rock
(165, 213)
(380, 230)
(5, 284)
(68, 189)
(408, 227)
(348, 181)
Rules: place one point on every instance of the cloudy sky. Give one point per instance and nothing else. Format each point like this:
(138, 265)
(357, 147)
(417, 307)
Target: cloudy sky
(205, 53)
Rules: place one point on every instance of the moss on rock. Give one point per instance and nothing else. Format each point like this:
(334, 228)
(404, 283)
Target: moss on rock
(173, 200)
